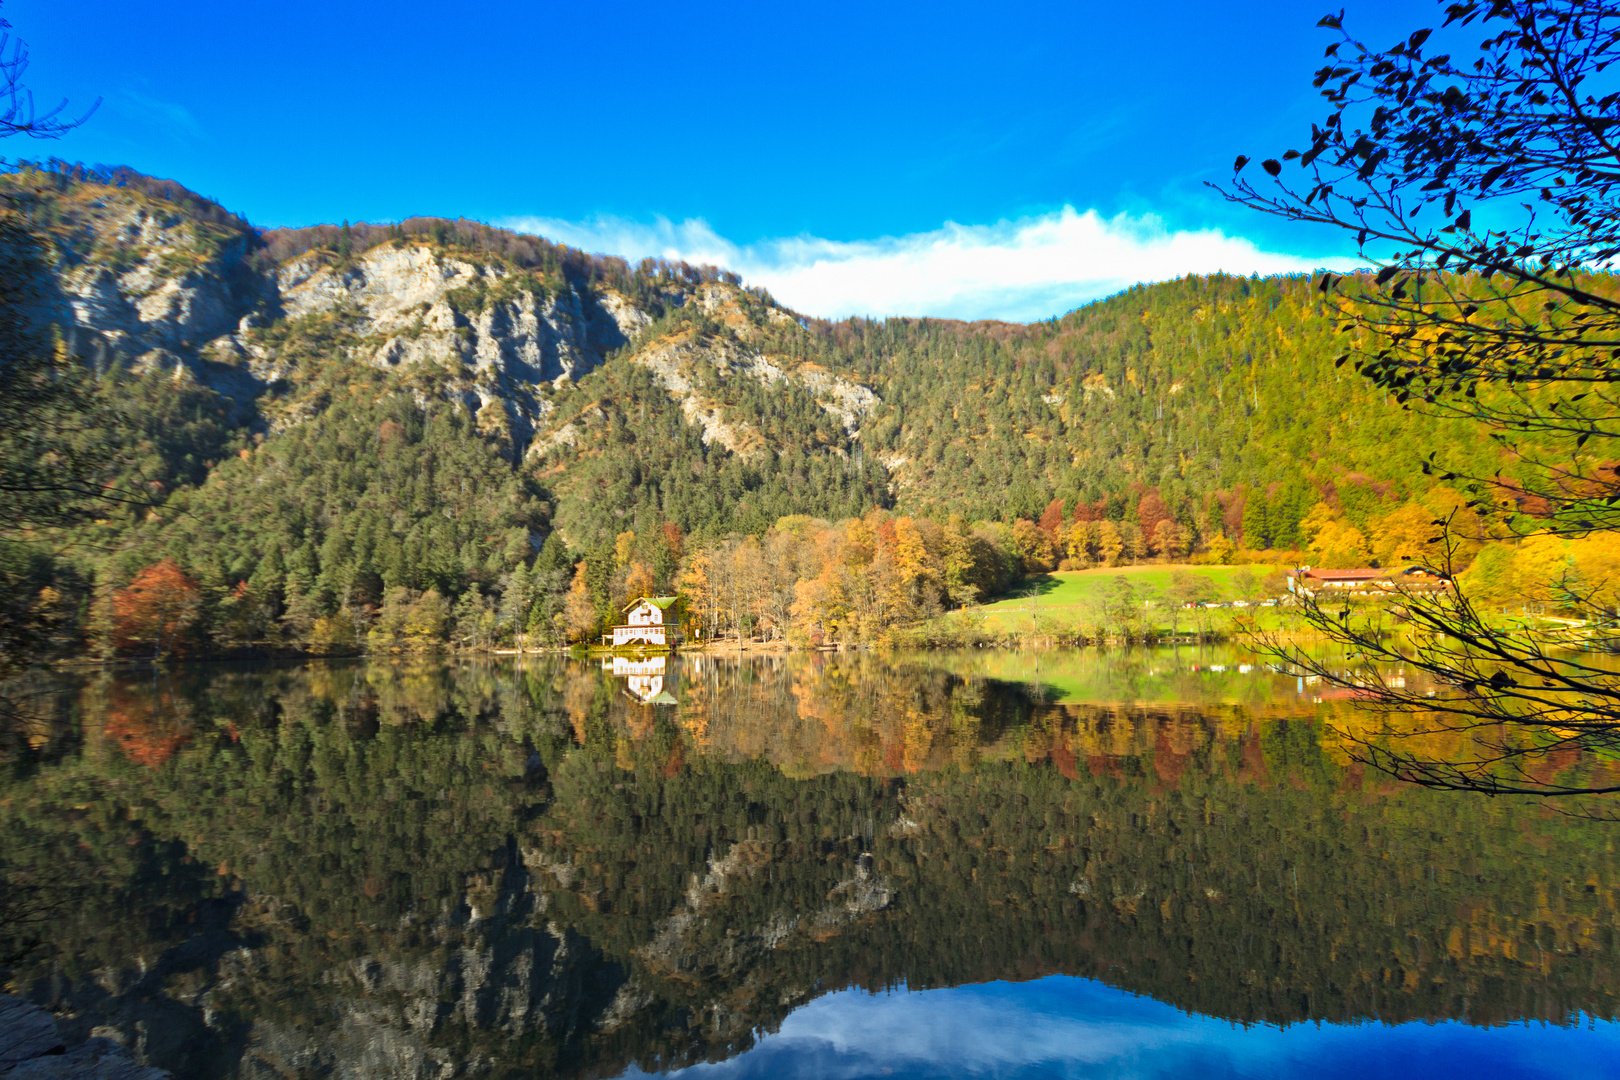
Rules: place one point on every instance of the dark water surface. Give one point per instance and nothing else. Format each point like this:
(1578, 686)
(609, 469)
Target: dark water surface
(1142, 864)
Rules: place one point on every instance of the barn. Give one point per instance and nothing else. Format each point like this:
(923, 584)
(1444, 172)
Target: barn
(1307, 581)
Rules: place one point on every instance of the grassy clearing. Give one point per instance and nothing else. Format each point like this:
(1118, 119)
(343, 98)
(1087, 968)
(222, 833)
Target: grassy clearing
(1078, 590)
(1083, 606)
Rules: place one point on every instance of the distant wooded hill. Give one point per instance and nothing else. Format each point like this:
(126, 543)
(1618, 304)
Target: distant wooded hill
(314, 418)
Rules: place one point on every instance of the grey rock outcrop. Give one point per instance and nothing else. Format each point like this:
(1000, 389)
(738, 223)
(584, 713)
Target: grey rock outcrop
(31, 1048)
(498, 336)
(679, 364)
(138, 284)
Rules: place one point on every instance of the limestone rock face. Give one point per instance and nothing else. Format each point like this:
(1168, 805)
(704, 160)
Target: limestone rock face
(628, 319)
(427, 307)
(680, 364)
(674, 363)
(136, 281)
(497, 335)
(139, 286)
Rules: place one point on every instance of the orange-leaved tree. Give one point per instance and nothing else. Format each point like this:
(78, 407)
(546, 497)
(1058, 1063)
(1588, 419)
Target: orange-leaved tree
(578, 619)
(156, 610)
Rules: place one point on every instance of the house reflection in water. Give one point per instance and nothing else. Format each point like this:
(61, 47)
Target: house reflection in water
(644, 678)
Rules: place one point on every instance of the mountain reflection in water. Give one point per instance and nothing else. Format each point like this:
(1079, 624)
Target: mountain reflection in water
(551, 867)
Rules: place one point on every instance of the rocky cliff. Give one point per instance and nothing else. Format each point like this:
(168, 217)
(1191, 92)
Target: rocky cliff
(135, 280)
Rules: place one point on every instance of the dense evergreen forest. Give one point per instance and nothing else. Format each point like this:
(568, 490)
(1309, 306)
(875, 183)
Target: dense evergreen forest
(1199, 387)
(519, 864)
(548, 433)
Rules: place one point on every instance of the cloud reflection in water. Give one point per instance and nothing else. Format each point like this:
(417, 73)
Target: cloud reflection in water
(1069, 1027)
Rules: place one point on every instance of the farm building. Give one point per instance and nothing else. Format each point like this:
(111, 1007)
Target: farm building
(1309, 580)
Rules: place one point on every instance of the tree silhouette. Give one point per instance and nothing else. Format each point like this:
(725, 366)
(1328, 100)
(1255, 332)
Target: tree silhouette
(47, 478)
(1478, 181)
(18, 116)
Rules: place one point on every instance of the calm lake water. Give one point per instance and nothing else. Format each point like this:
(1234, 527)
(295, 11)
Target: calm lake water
(1127, 864)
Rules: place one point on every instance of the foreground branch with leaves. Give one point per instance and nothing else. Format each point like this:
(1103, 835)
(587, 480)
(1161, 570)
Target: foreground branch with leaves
(1478, 181)
(1526, 701)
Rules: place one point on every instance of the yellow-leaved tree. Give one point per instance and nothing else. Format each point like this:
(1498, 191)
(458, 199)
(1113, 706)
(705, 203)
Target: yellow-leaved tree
(577, 619)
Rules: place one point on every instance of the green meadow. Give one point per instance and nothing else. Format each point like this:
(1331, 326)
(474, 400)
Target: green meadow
(1131, 601)
(1079, 591)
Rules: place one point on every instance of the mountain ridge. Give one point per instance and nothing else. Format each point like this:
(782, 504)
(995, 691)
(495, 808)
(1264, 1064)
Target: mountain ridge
(267, 393)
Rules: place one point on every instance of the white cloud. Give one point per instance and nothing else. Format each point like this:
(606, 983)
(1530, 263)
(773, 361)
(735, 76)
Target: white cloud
(1026, 269)
(156, 112)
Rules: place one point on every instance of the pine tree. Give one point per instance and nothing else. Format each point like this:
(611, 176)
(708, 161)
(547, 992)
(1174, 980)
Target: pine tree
(1257, 526)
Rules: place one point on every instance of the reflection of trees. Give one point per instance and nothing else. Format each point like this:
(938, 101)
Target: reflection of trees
(32, 899)
(517, 864)
(146, 721)
(1226, 862)
(1257, 902)
(857, 711)
(809, 714)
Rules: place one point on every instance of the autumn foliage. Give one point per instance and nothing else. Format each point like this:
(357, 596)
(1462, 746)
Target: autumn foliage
(147, 733)
(155, 612)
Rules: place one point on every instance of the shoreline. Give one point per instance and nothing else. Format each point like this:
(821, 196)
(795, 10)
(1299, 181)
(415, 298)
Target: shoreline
(726, 648)
(924, 637)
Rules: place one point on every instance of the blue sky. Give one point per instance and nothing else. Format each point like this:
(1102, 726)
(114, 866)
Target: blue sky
(1007, 160)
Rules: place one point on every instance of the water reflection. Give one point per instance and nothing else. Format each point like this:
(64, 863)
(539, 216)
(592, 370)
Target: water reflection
(1062, 1027)
(549, 866)
(644, 678)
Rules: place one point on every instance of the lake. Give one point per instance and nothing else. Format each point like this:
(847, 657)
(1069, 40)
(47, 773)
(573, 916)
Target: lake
(1114, 864)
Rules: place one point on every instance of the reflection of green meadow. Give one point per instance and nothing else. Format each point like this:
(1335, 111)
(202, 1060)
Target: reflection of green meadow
(1162, 675)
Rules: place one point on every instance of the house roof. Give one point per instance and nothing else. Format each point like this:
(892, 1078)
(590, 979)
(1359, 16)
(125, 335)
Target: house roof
(1358, 574)
(1366, 573)
(662, 603)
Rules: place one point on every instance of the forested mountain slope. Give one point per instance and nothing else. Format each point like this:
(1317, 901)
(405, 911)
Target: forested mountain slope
(1197, 385)
(324, 415)
(718, 419)
(1204, 389)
